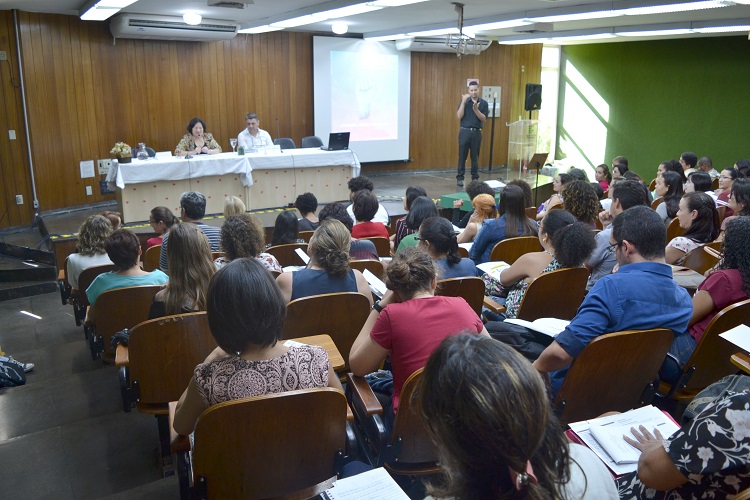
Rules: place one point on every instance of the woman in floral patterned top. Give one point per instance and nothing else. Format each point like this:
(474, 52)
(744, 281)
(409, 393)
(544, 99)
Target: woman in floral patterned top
(197, 142)
(708, 458)
(565, 242)
(246, 314)
(700, 220)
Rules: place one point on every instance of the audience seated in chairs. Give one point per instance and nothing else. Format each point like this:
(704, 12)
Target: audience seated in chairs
(697, 215)
(92, 235)
(161, 220)
(511, 223)
(359, 249)
(580, 199)
(242, 236)
(246, 314)
(473, 189)
(286, 229)
(359, 183)
(408, 323)
(328, 270)
(566, 243)
(437, 237)
(412, 193)
(124, 249)
(556, 198)
(528, 195)
(484, 209)
(486, 409)
(190, 270)
(642, 295)
(421, 209)
(307, 205)
(365, 206)
(669, 187)
(192, 209)
(233, 205)
(739, 201)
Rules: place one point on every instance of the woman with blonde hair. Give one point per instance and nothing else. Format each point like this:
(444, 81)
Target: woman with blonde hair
(486, 409)
(233, 206)
(328, 270)
(91, 237)
(190, 271)
(484, 208)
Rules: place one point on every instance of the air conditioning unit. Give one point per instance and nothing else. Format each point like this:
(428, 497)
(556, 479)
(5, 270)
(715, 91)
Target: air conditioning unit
(436, 44)
(147, 27)
(230, 4)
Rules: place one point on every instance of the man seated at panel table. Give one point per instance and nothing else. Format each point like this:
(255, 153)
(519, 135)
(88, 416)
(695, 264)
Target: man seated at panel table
(357, 184)
(253, 136)
(192, 209)
(642, 295)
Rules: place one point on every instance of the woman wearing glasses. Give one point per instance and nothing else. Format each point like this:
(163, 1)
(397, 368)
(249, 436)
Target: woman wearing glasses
(726, 179)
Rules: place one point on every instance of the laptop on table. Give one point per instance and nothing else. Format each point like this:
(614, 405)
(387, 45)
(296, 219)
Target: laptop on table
(337, 141)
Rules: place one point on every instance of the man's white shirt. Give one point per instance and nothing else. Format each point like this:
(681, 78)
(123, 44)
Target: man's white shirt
(262, 140)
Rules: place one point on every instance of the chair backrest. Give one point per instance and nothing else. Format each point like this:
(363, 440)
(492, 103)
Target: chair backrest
(87, 276)
(531, 213)
(556, 294)
(306, 235)
(510, 249)
(711, 358)
(311, 141)
(715, 184)
(216, 255)
(286, 254)
(372, 265)
(471, 289)
(652, 184)
(270, 446)
(674, 230)
(612, 373)
(151, 258)
(382, 245)
(699, 260)
(339, 315)
(285, 143)
(463, 253)
(164, 352)
(657, 202)
(122, 308)
(416, 445)
(722, 212)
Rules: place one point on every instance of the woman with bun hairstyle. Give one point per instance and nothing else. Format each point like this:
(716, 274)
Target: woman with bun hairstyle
(437, 237)
(408, 323)
(566, 243)
(328, 270)
(486, 409)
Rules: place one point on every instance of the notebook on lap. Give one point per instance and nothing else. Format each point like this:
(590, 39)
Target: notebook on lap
(337, 141)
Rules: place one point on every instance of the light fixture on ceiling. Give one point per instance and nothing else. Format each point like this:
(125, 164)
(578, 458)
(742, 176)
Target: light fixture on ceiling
(192, 18)
(318, 17)
(102, 9)
(259, 29)
(393, 3)
(386, 38)
(670, 8)
(340, 28)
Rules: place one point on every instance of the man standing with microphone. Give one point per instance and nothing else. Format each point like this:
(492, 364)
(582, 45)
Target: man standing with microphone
(472, 113)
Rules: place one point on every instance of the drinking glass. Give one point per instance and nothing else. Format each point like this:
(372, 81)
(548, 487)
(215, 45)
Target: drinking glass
(233, 143)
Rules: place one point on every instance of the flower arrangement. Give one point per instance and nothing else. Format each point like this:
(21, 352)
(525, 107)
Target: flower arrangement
(121, 150)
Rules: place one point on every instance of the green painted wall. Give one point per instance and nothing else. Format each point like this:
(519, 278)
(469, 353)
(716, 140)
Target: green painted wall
(667, 97)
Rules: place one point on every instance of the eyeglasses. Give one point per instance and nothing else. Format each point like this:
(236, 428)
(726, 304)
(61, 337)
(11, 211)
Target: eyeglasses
(417, 238)
(611, 248)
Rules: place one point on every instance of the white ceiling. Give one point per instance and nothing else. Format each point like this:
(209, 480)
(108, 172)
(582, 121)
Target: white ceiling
(418, 17)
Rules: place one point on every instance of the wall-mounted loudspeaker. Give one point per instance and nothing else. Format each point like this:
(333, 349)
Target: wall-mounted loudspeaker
(533, 96)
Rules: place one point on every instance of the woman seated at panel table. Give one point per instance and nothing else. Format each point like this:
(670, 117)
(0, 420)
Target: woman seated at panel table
(246, 314)
(699, 218)
(198, 141)
(328, 270)
(437, 237)
(124, 249)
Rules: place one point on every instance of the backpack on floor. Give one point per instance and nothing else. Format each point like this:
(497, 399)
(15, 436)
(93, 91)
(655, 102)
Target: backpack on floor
(11, 372)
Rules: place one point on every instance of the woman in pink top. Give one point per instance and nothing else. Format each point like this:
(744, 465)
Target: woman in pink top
(409, 322)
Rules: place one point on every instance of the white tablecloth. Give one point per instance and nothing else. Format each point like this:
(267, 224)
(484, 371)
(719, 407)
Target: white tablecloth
(178, 168)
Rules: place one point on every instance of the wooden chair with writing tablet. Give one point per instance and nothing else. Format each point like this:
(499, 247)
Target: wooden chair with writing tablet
(510, 249)
(151, 258)
(158, 363)
(674, 229)
(306, 235)
(287, 254)
(382, 245)
(614, 372)
(657, 202)
(372, 265)
(471, 289)
(408, 450)
(711, 359)
(79, 299)
(285, 445)
(116, 310)
(700, 260)
(339, 315)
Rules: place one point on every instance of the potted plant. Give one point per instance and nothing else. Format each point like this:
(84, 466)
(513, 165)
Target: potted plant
(122, 152)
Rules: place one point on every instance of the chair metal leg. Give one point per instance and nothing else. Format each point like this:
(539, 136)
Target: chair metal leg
(183, 474)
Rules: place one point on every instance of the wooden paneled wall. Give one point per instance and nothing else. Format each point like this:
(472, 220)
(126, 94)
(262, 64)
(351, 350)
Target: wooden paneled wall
(14, 165)
(86, 92)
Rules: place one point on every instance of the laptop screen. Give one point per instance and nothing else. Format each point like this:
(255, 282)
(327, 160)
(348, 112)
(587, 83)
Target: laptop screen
(338, 141)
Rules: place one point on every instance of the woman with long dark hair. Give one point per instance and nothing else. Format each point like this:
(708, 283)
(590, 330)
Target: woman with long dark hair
(486, 410)
(161, 220)
(603, 177)
(421, 208)
(726, 181)
(511, 222)
(700, 220)
(668, 186)
(436, 235)
(739, 202)
(286, 229)
(556, 198)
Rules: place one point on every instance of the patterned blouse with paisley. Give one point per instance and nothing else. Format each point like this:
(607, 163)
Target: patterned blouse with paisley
(187, 144)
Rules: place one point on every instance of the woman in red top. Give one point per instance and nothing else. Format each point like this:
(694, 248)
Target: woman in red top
(409, 322)
(365, 206)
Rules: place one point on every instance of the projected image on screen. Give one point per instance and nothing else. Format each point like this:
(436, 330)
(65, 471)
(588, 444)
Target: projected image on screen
(364, 95)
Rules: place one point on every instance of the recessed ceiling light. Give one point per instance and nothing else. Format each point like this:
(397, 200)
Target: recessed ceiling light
(192, 18)
(339, 28)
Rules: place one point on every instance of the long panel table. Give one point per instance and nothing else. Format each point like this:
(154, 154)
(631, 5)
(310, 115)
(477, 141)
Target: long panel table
(261, 180)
